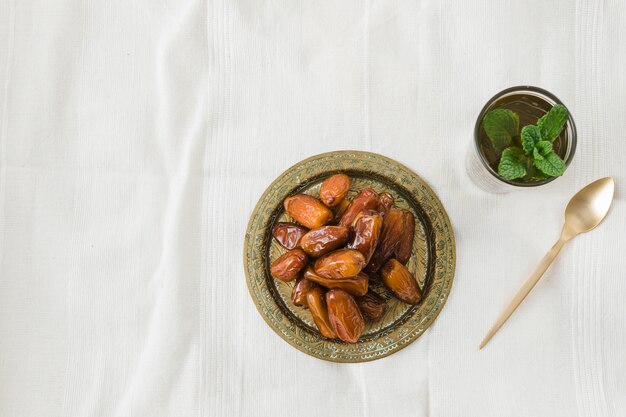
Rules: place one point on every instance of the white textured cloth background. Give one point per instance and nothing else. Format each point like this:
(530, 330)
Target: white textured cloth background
(136, 137)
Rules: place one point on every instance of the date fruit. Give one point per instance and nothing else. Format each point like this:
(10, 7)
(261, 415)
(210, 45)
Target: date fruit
(332, 241)
(396, 224)
(372, 305)
(385, 202)
(367, 199)
(343, 263)
(300, 290)
(401, 282)
(356, 285)
(345, 317)
(334, 189)
(405, 245)
(308, 211)
(317, 305)
(287, 266)
(288, 234)
(367, 227)
(320, 241)
(340, 209)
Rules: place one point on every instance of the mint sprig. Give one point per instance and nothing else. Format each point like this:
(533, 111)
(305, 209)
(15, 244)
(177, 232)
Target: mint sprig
(502, 128)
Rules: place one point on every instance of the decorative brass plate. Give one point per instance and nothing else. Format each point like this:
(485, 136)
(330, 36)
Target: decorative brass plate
(432, 260)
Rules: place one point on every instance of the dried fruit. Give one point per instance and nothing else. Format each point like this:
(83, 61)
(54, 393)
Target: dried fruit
(308, 211)
(317, 305)
(405, 244)
(356, 285)
(340, 209)
(300, 290)
(372, 305)
(385, 202)
(345, 317)
(367, 199)
(346, 237)
(343, 263)
(401, 282)
(288, 234)
(287, 266)
(395, 225)
(367, 227)
(323, 240)
(334, 189)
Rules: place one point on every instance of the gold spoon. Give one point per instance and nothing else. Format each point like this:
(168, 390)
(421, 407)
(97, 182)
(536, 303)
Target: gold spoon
(583, 212)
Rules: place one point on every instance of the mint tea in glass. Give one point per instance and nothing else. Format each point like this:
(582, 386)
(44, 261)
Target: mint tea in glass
(523, 137)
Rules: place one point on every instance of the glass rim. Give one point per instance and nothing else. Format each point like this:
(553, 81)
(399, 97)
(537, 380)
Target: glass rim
(539, 93)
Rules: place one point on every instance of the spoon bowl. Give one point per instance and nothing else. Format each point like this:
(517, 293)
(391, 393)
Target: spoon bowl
(588, 207)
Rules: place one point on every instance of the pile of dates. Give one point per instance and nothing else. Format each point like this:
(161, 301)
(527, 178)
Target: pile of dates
(336, 247)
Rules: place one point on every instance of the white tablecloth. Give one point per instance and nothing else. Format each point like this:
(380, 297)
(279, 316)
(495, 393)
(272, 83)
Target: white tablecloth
(136, 137)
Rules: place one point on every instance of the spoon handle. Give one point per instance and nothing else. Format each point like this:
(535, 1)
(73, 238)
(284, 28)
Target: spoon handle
(526, 287)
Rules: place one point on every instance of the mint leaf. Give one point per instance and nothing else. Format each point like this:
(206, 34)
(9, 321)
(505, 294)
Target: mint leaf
(543, 147)
(501, 125)
(550, 163)
(512, 164)
(552, 122)
(530, 136)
